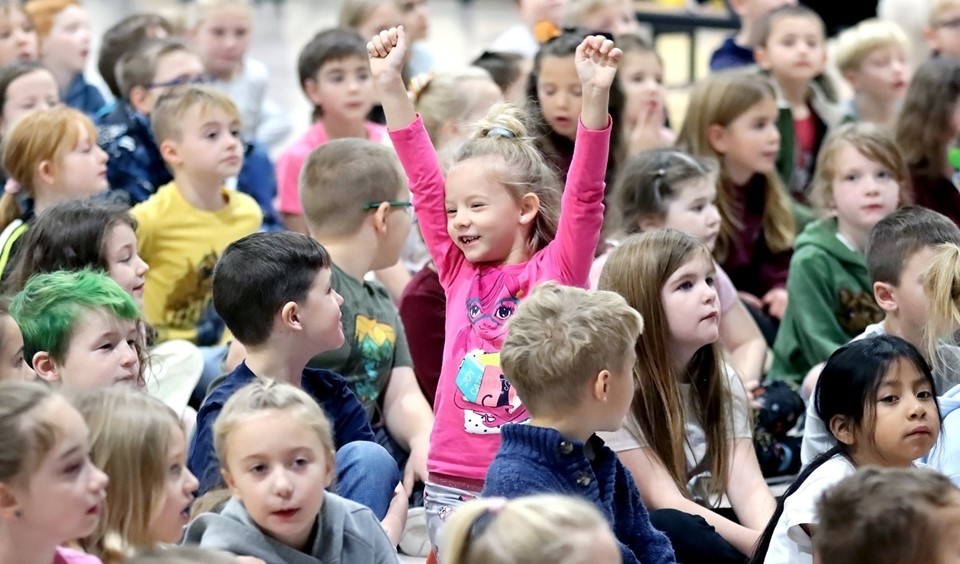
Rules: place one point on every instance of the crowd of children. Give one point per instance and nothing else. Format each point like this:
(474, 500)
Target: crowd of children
(510, 312)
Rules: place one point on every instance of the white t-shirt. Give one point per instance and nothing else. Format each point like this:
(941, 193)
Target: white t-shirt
(790, 544)
(630, 437)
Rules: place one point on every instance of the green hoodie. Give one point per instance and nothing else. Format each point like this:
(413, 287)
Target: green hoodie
(830, 302)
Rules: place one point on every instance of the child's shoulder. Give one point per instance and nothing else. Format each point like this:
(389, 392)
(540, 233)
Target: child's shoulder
(164, 199)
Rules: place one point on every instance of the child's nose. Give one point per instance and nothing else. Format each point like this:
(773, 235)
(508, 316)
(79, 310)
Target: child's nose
(191, 484)
(281, 484)
(99, 480)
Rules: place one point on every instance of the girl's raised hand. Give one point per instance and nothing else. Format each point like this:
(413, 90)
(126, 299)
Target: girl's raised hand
(387, 51)
(597, 60)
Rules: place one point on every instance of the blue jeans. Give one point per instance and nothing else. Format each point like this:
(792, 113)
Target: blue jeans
(368, 475)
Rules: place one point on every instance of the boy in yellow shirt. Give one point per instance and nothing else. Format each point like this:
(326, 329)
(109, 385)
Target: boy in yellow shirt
(187, 223)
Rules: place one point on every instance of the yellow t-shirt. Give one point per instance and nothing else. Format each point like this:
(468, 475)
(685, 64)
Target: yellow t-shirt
(182, 244)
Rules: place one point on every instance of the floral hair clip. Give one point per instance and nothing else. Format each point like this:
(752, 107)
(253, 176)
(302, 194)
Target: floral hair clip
(545, 31)
(11, 187)
(418, 84)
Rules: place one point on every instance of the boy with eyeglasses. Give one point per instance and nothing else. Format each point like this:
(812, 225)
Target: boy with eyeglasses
(136, 169)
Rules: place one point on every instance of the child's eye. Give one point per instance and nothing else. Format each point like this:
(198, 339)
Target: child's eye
(258, 468)
(687, 285)
(105, 346)
(300, 462)
(236, 133)
(476, 205)
(889, 399)
(851, 177)
(884, 174)
(451, 211)
(709, 280)
(698, 208)
(132, 343)
(925, 394)
(74, 467)
(176, 470)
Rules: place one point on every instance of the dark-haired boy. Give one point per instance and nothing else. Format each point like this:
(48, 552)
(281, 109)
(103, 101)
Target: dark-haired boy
(273, 291)
(899, 252)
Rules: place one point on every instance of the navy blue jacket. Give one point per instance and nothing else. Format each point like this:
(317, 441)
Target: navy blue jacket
(537, 460)
(346, 414)
(729, 55)
(84, 96)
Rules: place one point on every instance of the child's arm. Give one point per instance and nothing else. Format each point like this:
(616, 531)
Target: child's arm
(659, 491)
(749, 494)
(409, 420)
(413, 146)
(742, 339)
(582, 203)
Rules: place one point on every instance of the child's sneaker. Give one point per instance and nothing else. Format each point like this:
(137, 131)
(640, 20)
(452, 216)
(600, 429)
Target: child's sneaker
(415, 541)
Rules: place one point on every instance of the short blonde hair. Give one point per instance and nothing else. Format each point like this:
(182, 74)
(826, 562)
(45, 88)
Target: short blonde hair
(541, 528)
(339, 177)
(129, 440)
(574, 11)
(354, 12)
(856, 43)
(173, 106)
(937, 7)
(447, 96)
(203, 8)
(560, 337)
(261, 395)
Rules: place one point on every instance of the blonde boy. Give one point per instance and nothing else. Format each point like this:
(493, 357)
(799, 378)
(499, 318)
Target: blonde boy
(873, 58)
(185, 226)
(943, 28)
(607, 16)
(569, 353)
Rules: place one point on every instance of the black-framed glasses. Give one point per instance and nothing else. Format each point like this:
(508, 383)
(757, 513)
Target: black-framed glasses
(405, 206)
(182, 81)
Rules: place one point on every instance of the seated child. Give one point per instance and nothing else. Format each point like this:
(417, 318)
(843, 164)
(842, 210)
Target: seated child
(274, 292)
(50, 156)
(879, 399)
(221, 31)
(139, 442)
(888, 515)
(509, 71)
(20, 36)
(645, 111)
(796, 67)
(942, 26)
(536, 528)
(12, 364)
(275, 451)
(64, 33)
(615, 17)
(737, 50)
(570, 354)
(873, 59)
(42, 436)
(198, 131)
(137, 169)
(121, 37)
(901, 249)
(25, 86)
(688, 440)
(81, 330)
(333, 57)
(860, 179)
(101, 235)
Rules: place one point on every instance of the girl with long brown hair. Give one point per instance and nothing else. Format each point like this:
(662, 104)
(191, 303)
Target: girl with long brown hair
(687, 440)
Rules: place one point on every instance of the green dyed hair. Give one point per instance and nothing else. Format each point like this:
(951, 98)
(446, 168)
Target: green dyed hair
(50, 305)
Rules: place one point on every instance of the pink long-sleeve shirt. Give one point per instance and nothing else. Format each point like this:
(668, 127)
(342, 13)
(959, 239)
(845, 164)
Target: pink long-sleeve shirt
(473, 399)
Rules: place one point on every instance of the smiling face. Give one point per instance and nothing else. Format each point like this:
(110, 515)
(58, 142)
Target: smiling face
(172, 514)
(691, 306)
(63, 496)
(484, 220)
(559, 93)
(124, 264)
(280, 481)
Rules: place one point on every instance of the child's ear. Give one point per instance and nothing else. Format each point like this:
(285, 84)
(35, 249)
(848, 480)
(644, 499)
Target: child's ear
(853, 79)
(842, 428)
(601, 386)
(884, 294)
(170, 152)
(229, 481)
(138, 99)
(311, 88)
(760, 54)
(529, 208)
(46, 367)
(930, 35)
(290, 315)
(379, 217)
(9, 502)
(331, 471)
(718, 138)
(45, 172)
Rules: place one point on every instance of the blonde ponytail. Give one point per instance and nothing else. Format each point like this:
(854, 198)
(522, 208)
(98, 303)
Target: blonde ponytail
(942, 288)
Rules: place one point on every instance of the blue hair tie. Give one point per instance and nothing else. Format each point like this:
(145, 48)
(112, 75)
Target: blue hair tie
(498, 131)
